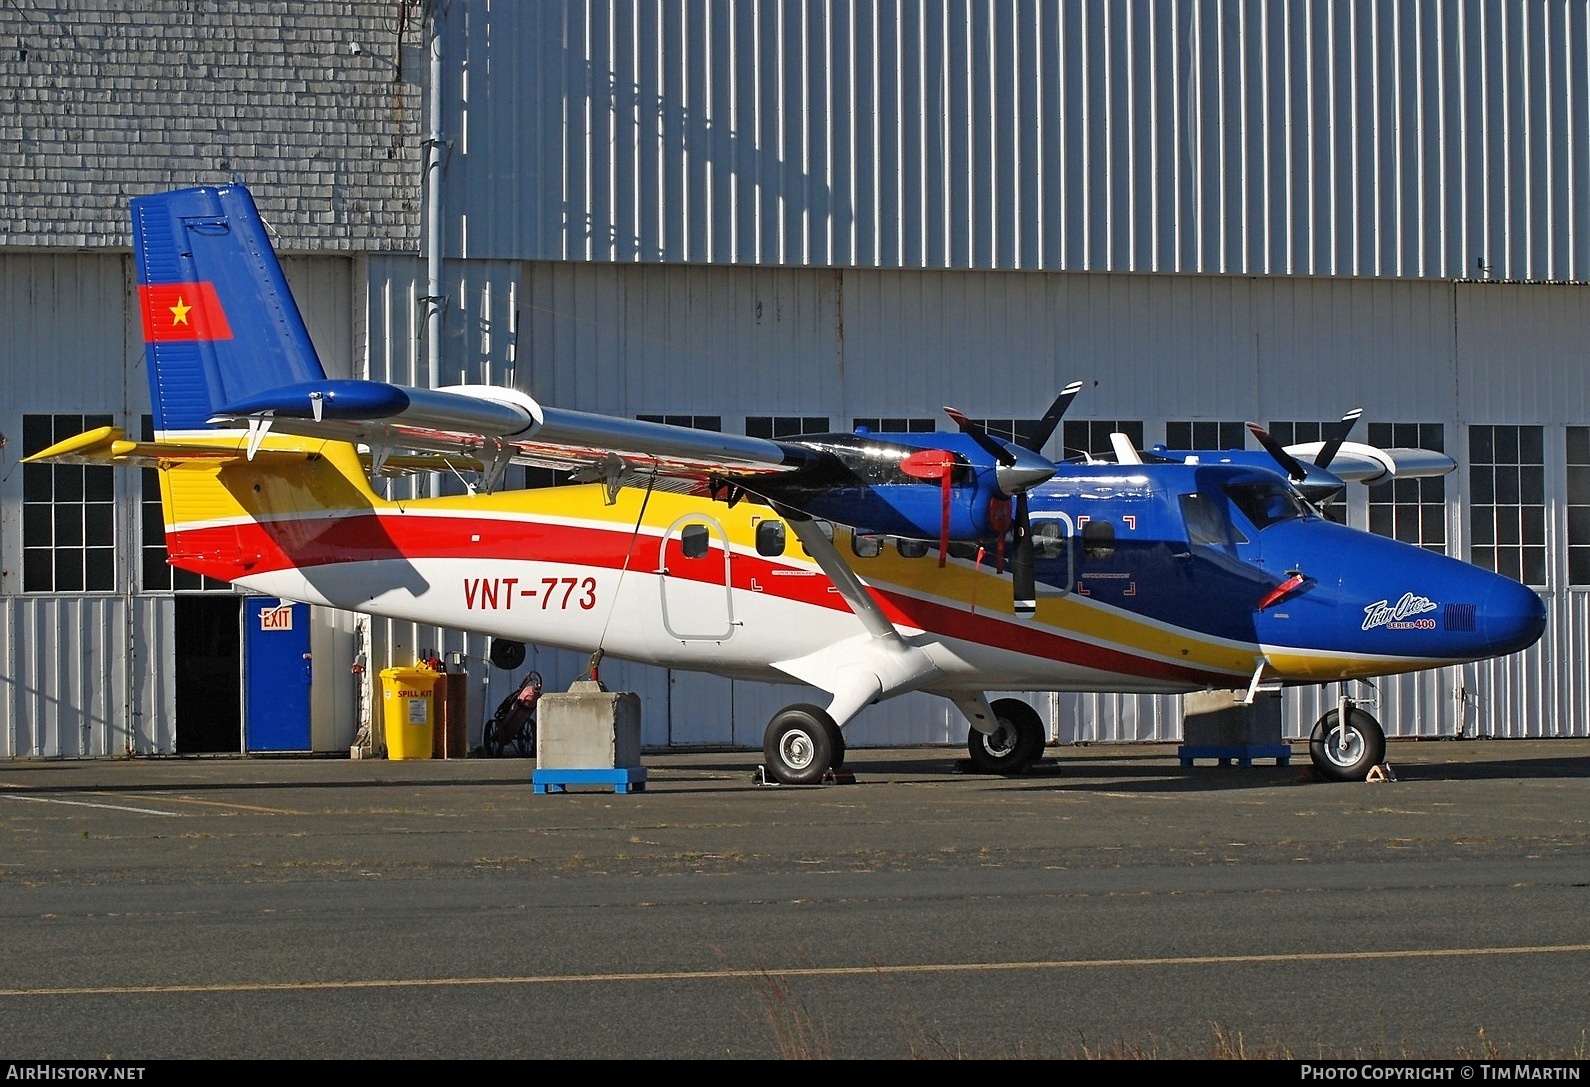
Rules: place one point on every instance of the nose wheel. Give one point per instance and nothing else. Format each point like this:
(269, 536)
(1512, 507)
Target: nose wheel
(1346, 754)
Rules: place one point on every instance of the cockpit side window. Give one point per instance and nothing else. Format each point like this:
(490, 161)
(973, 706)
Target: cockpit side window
(1207, 525)
(1265, 502)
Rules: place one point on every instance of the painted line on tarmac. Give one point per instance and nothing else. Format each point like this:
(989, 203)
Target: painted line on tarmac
(90, 804)
(224, 804)
(796, 972)
(156, 799)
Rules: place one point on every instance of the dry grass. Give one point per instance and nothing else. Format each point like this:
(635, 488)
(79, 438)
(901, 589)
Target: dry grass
(800, 1033)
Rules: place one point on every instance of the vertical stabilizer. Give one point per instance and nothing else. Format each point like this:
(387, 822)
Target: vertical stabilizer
(219, 321)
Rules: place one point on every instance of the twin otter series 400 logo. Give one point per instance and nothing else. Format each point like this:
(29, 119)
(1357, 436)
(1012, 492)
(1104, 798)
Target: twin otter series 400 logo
(1398, 616)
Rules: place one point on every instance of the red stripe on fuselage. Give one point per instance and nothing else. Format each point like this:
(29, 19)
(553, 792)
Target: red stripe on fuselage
(231, 552)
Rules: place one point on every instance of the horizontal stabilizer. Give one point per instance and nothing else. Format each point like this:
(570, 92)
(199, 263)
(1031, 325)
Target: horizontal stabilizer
(110, 446)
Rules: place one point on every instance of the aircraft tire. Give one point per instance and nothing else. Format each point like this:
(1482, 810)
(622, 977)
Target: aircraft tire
(505, 654)
(1349, 758)
(798, 745)
(836, 741)
(1014, 746)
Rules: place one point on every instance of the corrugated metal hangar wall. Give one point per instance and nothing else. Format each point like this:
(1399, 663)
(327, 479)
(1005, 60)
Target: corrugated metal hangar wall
(1211, 211)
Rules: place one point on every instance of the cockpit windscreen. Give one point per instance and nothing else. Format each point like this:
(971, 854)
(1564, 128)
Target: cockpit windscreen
(1265, 502)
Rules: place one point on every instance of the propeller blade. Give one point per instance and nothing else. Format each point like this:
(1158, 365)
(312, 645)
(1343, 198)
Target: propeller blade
(993, 448)
(1051, 418)
(1335, 438)
(1024, 585)
(1293, 469)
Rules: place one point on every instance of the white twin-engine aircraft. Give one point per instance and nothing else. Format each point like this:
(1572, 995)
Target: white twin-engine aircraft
(865, 565)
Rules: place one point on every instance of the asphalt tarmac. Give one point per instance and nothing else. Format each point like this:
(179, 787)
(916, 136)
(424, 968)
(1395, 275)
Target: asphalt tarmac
(1122, 906)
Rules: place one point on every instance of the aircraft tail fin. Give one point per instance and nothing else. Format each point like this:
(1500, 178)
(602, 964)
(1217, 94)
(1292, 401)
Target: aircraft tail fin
(219, 320)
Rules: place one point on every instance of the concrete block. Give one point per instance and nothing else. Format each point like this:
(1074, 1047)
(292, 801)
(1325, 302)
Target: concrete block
(1218, 718)
(589, 729)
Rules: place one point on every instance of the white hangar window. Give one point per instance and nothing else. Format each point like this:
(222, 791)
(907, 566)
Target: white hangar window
(68, 512)
(1410, 510)
(1507, 501)
(1579, 505)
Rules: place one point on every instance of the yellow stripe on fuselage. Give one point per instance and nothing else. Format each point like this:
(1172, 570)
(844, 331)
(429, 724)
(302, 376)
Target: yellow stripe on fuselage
(333, 480)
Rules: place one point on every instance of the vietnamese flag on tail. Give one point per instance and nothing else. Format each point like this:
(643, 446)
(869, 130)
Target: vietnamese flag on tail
(182, 311)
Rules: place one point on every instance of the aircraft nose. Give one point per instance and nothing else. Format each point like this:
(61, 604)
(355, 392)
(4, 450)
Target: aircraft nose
(1512, 616)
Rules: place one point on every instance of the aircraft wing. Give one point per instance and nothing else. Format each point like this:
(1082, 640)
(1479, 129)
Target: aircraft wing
(1368, 464)
(496, 426)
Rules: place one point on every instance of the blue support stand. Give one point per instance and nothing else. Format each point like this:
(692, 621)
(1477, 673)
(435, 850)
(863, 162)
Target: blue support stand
(1241, 754)
(622, 779)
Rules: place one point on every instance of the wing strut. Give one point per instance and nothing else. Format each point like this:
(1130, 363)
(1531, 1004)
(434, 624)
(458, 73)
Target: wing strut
(856, 671)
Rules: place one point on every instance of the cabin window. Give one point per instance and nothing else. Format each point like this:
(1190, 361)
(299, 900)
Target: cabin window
(1048, 540)
(1265, 502)
(866, 547)
(910, 549)
(694, 540)
(826, 528)
(962, 549)
(770, 538)
(1098, 539)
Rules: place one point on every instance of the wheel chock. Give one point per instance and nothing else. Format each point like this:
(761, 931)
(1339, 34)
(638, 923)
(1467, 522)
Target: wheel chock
(1383, 772)
(830, 777)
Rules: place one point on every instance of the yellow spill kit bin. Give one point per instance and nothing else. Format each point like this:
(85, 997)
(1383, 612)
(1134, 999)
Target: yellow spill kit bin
(408, 699)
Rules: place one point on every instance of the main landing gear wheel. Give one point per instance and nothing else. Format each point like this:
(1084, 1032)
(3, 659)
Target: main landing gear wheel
(836, 741)
(1346, 755)
(1014, 746)
(799, 745)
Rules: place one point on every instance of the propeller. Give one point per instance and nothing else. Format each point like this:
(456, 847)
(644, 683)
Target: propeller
(1016, 475)
(1318, 488)
(1335, 437)
(1295, 471)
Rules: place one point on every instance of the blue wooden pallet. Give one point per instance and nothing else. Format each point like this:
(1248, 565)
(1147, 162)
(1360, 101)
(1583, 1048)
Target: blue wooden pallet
(1241, 754)
(623, 780)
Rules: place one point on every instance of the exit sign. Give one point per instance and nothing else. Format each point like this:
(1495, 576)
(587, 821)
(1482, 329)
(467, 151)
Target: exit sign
(277, 618)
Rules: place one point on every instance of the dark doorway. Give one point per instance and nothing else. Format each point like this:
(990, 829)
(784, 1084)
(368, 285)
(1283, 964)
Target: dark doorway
(209, 674)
